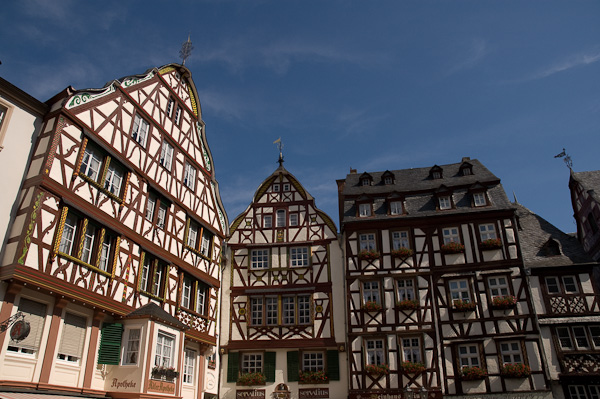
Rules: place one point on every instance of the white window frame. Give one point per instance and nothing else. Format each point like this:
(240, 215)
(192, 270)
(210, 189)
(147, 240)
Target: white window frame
(271, 310)
(451, 234)
(479, 199)
(445, 202)
(510, 352)
(267, 221)
(252, 363)
(406, 289)
(459, 290)
(166, 155)
(189, 366)
(487, 231)
(257, 305)
(367, 242)
(498, 286)
(299, 257)
(259, 259)
(375, 350)
(364, 210)
(371, 290)
(400, 239)
(468, 355)
(396, 208)
(293, 219)
(313, 361)
(113, 179)
(280, 218)
(189, 176)
(165, 349)
(140, 130)
(411, 349)
(132, 347)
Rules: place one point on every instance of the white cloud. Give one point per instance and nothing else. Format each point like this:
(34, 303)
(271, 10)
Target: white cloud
(475, 53)
(570, 62)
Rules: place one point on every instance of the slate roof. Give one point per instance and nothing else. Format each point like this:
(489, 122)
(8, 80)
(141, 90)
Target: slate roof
(534, 234)
(590, 182)
(155, 312)
(418, 189)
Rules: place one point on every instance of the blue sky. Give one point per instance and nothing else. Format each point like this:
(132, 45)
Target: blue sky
(370, 85)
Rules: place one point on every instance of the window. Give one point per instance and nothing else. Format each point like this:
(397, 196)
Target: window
(388, 180)
(73, 338)
(479, 199)
(367, 241)
(564, 337)
(275, 188)
(371, 292)
(563, 285)
(35, 314)
(577, 392)
(364, 210)
(396, 208)
(286, 187)
(189, 176)
(199, 238)
(165, 345)
(487, 232)
(259, 259)
(268, 221)
(177, 115)
(375, 351)
(580, 337)
(406, 289)
(132, 350)
(411, 349)
(295, 310)
(193, 295)
(166, 155)
(570, 285)
(153, 276)
(468, 355)
(299, 257)
(86, 243)
(189, 365)
(436, 175)
(498, 286)
(595, 334)
(365, 182)
(170, 107)
(101, 170)
(466, 171)
(157, 209)
(459, 291)
(140, 130)
(552, 285)
(280, 221)
(451, 235)
(293, 219)
(252, 363)
(510, 352)
(400, 240)
(445, 202)
(313, 361)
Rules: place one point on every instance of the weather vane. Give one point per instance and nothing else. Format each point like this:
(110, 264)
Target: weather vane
(567, 158)
(186, 50)
(280, 146)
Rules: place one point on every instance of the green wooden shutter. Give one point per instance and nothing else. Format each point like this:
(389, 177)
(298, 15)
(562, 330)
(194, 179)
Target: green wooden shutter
(293, 366)
(333, 365)
(233, 365)
(269, 367)
(110, 343)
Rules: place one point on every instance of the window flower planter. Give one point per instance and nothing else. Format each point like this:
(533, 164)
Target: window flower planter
(408, 304)
(251, 379)
(368, 255)
(472, 373)
(371, 306)
(212, 364)
(504, 302)
(515, 370)
(313, 377)
(168, 373)
(377, 369)
(463, 306)
(412, 368)
(453, 248)
(492, 243)
(402, 252)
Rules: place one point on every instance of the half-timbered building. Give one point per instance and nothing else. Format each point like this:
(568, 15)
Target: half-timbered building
(283, 304)
(564, 285)
(437, 301)
(113, 258)
(585, 198)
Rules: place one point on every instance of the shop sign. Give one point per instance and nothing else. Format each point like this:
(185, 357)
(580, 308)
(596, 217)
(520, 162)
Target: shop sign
(376, 396)
(250, 394)
(20, 330)
(123, 384)
(161, 386)
(313, 393)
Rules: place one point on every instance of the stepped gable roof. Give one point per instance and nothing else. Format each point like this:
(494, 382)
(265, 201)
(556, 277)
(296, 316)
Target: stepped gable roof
(590, 182)
(419, 188)
(155, 312)
(543, 244)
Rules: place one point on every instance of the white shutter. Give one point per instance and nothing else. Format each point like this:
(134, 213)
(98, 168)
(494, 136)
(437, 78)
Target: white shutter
(35, 314)
(73, 334)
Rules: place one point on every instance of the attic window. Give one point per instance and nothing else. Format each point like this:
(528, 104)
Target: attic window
(365, 182)
(479, 199)
(387, 178)
(365, 179)
(550, 248)
(466, 169)
(436, 172)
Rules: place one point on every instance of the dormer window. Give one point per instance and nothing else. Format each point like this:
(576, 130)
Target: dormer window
(466, 169)
(436, 172)
(364, 210)
(387, 177)
(445, 202)
(365, 179)
(478, 195)
(396, 208)
(365, 182)
(444, 198)
(479, 199)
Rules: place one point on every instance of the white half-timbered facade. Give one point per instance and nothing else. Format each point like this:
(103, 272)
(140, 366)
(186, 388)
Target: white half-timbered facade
(283, 308)
(437, 300)
(564, 285)
(114, 254)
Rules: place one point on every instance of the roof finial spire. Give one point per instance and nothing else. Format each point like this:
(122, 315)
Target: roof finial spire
(567, 158)
(280, 146)
(186, 50)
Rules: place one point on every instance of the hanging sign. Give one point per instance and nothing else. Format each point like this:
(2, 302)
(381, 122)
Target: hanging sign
(20, 330)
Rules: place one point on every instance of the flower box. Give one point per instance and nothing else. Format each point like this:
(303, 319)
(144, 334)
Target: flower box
(402, 252)
(408, 304)
(365, 254)
(472, 373)
(377, 369)
(251, 379)
(515, 370)
(463, 306)
(504, 302)
(167, 373)
(212, 364)
(489, 244)
(453, 248)
(371, 306)
(412, 368)
(313, 377)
